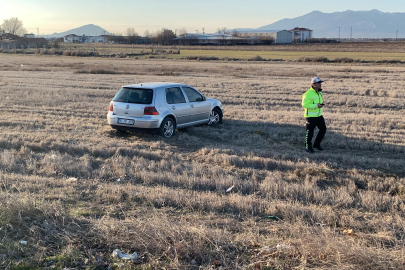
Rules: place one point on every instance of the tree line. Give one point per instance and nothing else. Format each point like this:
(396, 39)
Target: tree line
(15, 26)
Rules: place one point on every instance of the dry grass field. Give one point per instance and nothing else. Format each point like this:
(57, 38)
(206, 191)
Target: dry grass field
(339, 52)
(75, 190)
(375, 47)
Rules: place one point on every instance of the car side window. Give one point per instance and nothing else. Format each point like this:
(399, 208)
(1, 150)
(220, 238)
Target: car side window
(174, 95)
(169, 98)
(192, 95)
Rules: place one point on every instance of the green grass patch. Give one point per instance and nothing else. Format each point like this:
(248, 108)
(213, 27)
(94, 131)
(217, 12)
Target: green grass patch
(288, 55)
(68, 258)
(25, 266)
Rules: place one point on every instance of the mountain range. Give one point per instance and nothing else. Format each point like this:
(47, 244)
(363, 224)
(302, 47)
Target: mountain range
(345, 24)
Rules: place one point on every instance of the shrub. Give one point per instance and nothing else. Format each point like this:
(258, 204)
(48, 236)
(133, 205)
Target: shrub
(256, 58)
(207, 58)
(121, 55)
(344, 60)
(389, 61)
(56, 52)
(317, 59)
(102, 71)
(321, 59)
(97, 71)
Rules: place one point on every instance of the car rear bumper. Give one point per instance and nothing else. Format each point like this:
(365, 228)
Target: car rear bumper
(148, 122)
(131, 128)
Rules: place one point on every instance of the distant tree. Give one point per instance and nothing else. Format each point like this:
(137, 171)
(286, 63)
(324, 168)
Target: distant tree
(182, 33)
(235, 33)
(55, 43)
(236, 37)
(267, 40)
(224, 32)
(132, 35)
(146, 33)
(131, 32)
(164, 36)
(13, 26)
(117, 38)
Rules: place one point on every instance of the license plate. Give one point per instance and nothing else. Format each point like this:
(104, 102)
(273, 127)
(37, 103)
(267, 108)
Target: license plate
(125, 121)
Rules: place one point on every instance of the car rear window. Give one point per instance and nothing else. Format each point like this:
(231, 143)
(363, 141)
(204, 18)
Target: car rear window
(134, 95)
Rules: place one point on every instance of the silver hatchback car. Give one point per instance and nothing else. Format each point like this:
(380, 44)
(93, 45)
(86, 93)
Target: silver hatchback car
(162, 107)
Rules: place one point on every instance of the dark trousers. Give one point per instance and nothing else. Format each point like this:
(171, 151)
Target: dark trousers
(313, 122)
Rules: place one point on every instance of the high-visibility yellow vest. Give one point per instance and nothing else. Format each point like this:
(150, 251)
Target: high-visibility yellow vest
(310, 101)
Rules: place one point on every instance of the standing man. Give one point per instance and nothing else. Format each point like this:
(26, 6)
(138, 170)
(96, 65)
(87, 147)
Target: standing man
(312, 102)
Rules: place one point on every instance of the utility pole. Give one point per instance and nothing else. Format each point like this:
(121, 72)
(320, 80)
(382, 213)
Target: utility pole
(396, 36)
(351, 31)
(339, 32)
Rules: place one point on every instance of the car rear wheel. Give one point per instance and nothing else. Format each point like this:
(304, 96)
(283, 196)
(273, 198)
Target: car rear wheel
(167, 128)
(215, 117)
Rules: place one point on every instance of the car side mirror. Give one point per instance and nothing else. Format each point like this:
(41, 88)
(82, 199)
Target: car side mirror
(204, 98)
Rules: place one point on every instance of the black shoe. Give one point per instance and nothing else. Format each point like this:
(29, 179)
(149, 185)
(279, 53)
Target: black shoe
(319, 148)
(310, 150)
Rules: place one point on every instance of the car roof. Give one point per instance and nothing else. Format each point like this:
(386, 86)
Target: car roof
(153, 85)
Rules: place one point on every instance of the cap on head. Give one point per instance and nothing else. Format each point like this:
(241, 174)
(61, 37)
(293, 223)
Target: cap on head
(316, 80)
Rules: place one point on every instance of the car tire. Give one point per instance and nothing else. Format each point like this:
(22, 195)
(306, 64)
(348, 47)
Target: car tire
(167, 128)
(215, 117)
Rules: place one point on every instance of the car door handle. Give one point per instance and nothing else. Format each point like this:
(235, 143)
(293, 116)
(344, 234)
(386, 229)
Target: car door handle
(192, 106)
(173, 108)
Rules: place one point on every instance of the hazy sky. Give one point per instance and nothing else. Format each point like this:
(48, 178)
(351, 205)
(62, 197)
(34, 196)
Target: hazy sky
(116, 16)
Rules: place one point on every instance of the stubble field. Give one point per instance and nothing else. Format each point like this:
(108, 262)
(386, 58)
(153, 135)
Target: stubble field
(75, 190)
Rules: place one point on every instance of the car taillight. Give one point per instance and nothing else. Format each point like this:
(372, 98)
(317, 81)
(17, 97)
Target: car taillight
(111, 109)
(150, 111)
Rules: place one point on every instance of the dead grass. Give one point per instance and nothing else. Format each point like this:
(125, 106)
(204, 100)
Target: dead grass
(76, 190)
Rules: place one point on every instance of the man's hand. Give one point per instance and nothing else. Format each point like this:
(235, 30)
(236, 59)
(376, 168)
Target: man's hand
(320, 105)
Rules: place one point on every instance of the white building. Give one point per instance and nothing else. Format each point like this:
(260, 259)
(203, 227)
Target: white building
(96, 39)
(301, 34)
(72, 38)
(279, 37)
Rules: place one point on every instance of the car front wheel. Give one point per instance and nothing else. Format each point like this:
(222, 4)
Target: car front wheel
(167, 128)
(215, 117)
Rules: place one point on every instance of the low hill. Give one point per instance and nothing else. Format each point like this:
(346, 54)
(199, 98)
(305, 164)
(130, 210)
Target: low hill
(88, 30)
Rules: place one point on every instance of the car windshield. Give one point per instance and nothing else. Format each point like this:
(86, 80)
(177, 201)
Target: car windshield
(134, 95)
